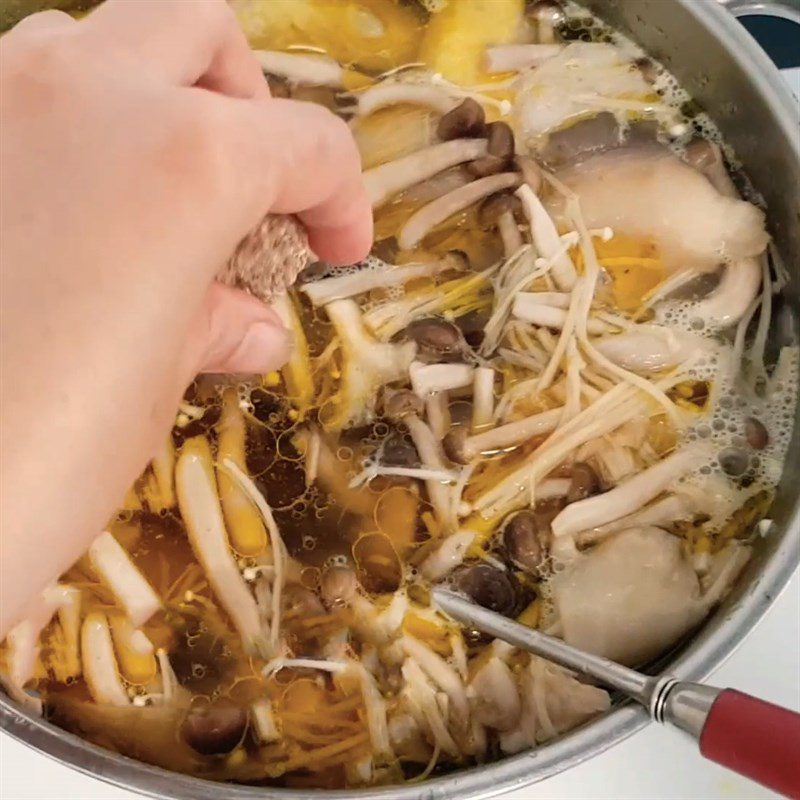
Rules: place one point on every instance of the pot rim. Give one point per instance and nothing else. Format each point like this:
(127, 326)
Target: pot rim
(720, 636)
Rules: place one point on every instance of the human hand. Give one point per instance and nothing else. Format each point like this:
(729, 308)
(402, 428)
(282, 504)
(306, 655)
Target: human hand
(138, 147)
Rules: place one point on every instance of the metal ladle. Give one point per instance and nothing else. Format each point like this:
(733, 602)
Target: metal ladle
(750, 736)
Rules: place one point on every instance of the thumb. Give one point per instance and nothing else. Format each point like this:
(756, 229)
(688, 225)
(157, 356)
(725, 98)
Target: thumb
(234, 332)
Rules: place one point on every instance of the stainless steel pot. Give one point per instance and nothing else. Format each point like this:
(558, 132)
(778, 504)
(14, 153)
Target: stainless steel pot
(729, 75)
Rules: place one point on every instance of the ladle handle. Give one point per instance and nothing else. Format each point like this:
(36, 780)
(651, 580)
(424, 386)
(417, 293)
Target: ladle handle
(756, 739)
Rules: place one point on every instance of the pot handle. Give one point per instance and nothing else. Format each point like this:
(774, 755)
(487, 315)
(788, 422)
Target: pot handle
(755, 739)
(783, 9)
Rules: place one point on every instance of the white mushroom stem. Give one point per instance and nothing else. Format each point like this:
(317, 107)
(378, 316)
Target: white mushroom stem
(668, 510)
(421, 698)
(516, 57)
(509, 233)
(528, 308)
(511, 434)
(393, 93)
(276, 543)
(437, 411)
(727, 304)
(428, 217)
(604, 415)
(423, 474)
(23, 639)
(546, 239)
(130, 588)
(277, 664)
(322, 292)
(427, 379)
(308, 70)
(443, 675)
(482, 398)
(629, 495)
(430, 455)
(552, 299)
(264, 725)
(99, 663)
(649, 348)
(449, 555)
(387, 179)
(68, 599)
(375, 706)
(200, 508)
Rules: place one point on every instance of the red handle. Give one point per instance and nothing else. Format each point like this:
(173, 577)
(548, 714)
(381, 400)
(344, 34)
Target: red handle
(756, 739)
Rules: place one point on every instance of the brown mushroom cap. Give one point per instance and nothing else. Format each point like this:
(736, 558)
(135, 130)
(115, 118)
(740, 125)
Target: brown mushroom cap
(494, 206)
(400, 403)
(466, 120)
(500, 149)
(397, 451)
(701, 154)
(549, 12)
(531, 172)
(585, 482)
(490, 587)
(436, 339)
(454, 443)
(525, 536)
(214, 729)
(338, 586)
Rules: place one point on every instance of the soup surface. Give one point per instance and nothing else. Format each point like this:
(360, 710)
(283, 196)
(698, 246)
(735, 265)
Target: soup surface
(551, 386)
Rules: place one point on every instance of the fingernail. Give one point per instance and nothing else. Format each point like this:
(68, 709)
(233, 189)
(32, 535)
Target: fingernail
(265, 347)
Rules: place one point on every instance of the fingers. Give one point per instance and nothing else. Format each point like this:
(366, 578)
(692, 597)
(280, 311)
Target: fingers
(45, 22)
(188, 43)
(234, 332)
(300, 158)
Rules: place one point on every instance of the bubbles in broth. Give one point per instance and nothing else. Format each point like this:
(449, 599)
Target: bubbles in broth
(543, 389)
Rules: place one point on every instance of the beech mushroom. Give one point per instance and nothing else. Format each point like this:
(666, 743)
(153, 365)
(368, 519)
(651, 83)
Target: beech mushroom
(492, 588)
(463, 448)
(499, 151)
(526, 536)
(324, 291)
(427, 379)
(429, 216)
(629, 495)
(390, 93)
(467, 120)
(546, 16)
(545, 236)
(387, 179)
(437, 339)
(216, 728)
(338, 585)
(527, 307)
(503, 210)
